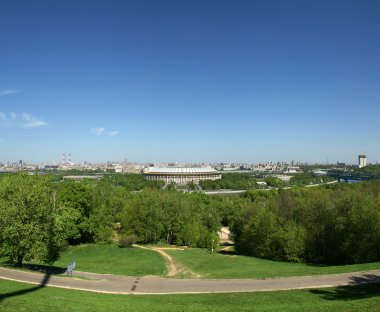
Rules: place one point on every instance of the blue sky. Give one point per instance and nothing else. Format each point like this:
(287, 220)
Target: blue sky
(190, 81)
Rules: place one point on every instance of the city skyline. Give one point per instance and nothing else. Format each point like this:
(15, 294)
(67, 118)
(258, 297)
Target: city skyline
(215, 81)
(66, 159)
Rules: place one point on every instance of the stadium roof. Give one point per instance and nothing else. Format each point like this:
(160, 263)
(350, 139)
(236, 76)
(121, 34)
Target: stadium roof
(180, 170)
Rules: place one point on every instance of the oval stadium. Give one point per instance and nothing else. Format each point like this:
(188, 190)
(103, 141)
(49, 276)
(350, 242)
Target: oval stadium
(181, 175)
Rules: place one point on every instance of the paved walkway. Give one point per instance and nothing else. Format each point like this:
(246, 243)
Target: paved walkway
(117, 284)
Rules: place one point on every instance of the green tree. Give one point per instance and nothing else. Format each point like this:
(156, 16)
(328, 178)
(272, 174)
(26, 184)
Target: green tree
(31, 225)
(273, 182)
(288, 242)
(170, 216)
(256, 236)
(79, 197)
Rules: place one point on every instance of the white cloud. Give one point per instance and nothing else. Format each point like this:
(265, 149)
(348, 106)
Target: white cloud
(25, 120)
(10, 91)
(102, 131)
(13, 115)
(98, 131)
(30, 121)
(112, 133)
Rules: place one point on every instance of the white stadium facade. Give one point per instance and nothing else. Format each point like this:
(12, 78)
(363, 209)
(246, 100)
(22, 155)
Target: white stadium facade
(181, 175)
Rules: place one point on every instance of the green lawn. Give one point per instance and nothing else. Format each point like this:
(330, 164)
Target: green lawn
(140, 262)
(112, 259)
(16, 296)
(105, 259)
(217, 265)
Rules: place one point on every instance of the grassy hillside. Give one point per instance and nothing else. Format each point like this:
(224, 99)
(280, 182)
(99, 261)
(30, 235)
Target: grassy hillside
(115, 260)
(217, 265)
(16, 296)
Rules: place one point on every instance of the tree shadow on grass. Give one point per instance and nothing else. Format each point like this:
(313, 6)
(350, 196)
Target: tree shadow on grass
(42, 284)
(227, 249)
(359, 288)
(227, 252)
(46, 269)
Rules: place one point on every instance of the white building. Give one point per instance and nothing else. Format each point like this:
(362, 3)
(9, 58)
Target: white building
(181, 175)
(319, 172)
(118, 168)
(362, 161)
(283, 177)
(261, 183)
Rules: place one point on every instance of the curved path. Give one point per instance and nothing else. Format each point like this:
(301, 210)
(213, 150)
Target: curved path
(117, 284)
(174, 269)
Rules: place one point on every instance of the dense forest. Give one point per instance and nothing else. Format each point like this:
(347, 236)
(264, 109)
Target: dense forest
(39, 217)
(370, 171)
(248, 181)
(336, 224)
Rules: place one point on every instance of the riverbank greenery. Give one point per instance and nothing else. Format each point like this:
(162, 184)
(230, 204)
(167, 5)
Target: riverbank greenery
(252, 181)
(370, 171)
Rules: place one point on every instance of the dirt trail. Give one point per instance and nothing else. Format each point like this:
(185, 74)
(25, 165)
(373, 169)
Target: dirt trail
(174, 269)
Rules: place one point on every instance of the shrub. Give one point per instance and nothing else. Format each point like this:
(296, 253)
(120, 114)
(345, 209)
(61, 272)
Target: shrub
(127, 240)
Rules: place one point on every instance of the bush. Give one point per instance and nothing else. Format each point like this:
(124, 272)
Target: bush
(127, 240)
(289, 243)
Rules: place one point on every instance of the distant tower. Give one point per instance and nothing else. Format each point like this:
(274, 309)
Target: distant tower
(63, 158)
(362, 161)
(69, 158)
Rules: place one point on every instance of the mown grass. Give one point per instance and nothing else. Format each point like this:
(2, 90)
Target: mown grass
(112, 259)
(16, 296)
(217, 265)
(107, 259)
(141, 262)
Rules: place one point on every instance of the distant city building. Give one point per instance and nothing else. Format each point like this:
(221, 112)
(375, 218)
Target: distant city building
(262, 183)
(51, 167)
(283, 177)
(118, 168)
(319, 172)
(293, 169)
(131, 168)
(181, 175)
(362, 161)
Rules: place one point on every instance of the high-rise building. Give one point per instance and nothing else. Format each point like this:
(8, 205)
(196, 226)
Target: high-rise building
(362, 161)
